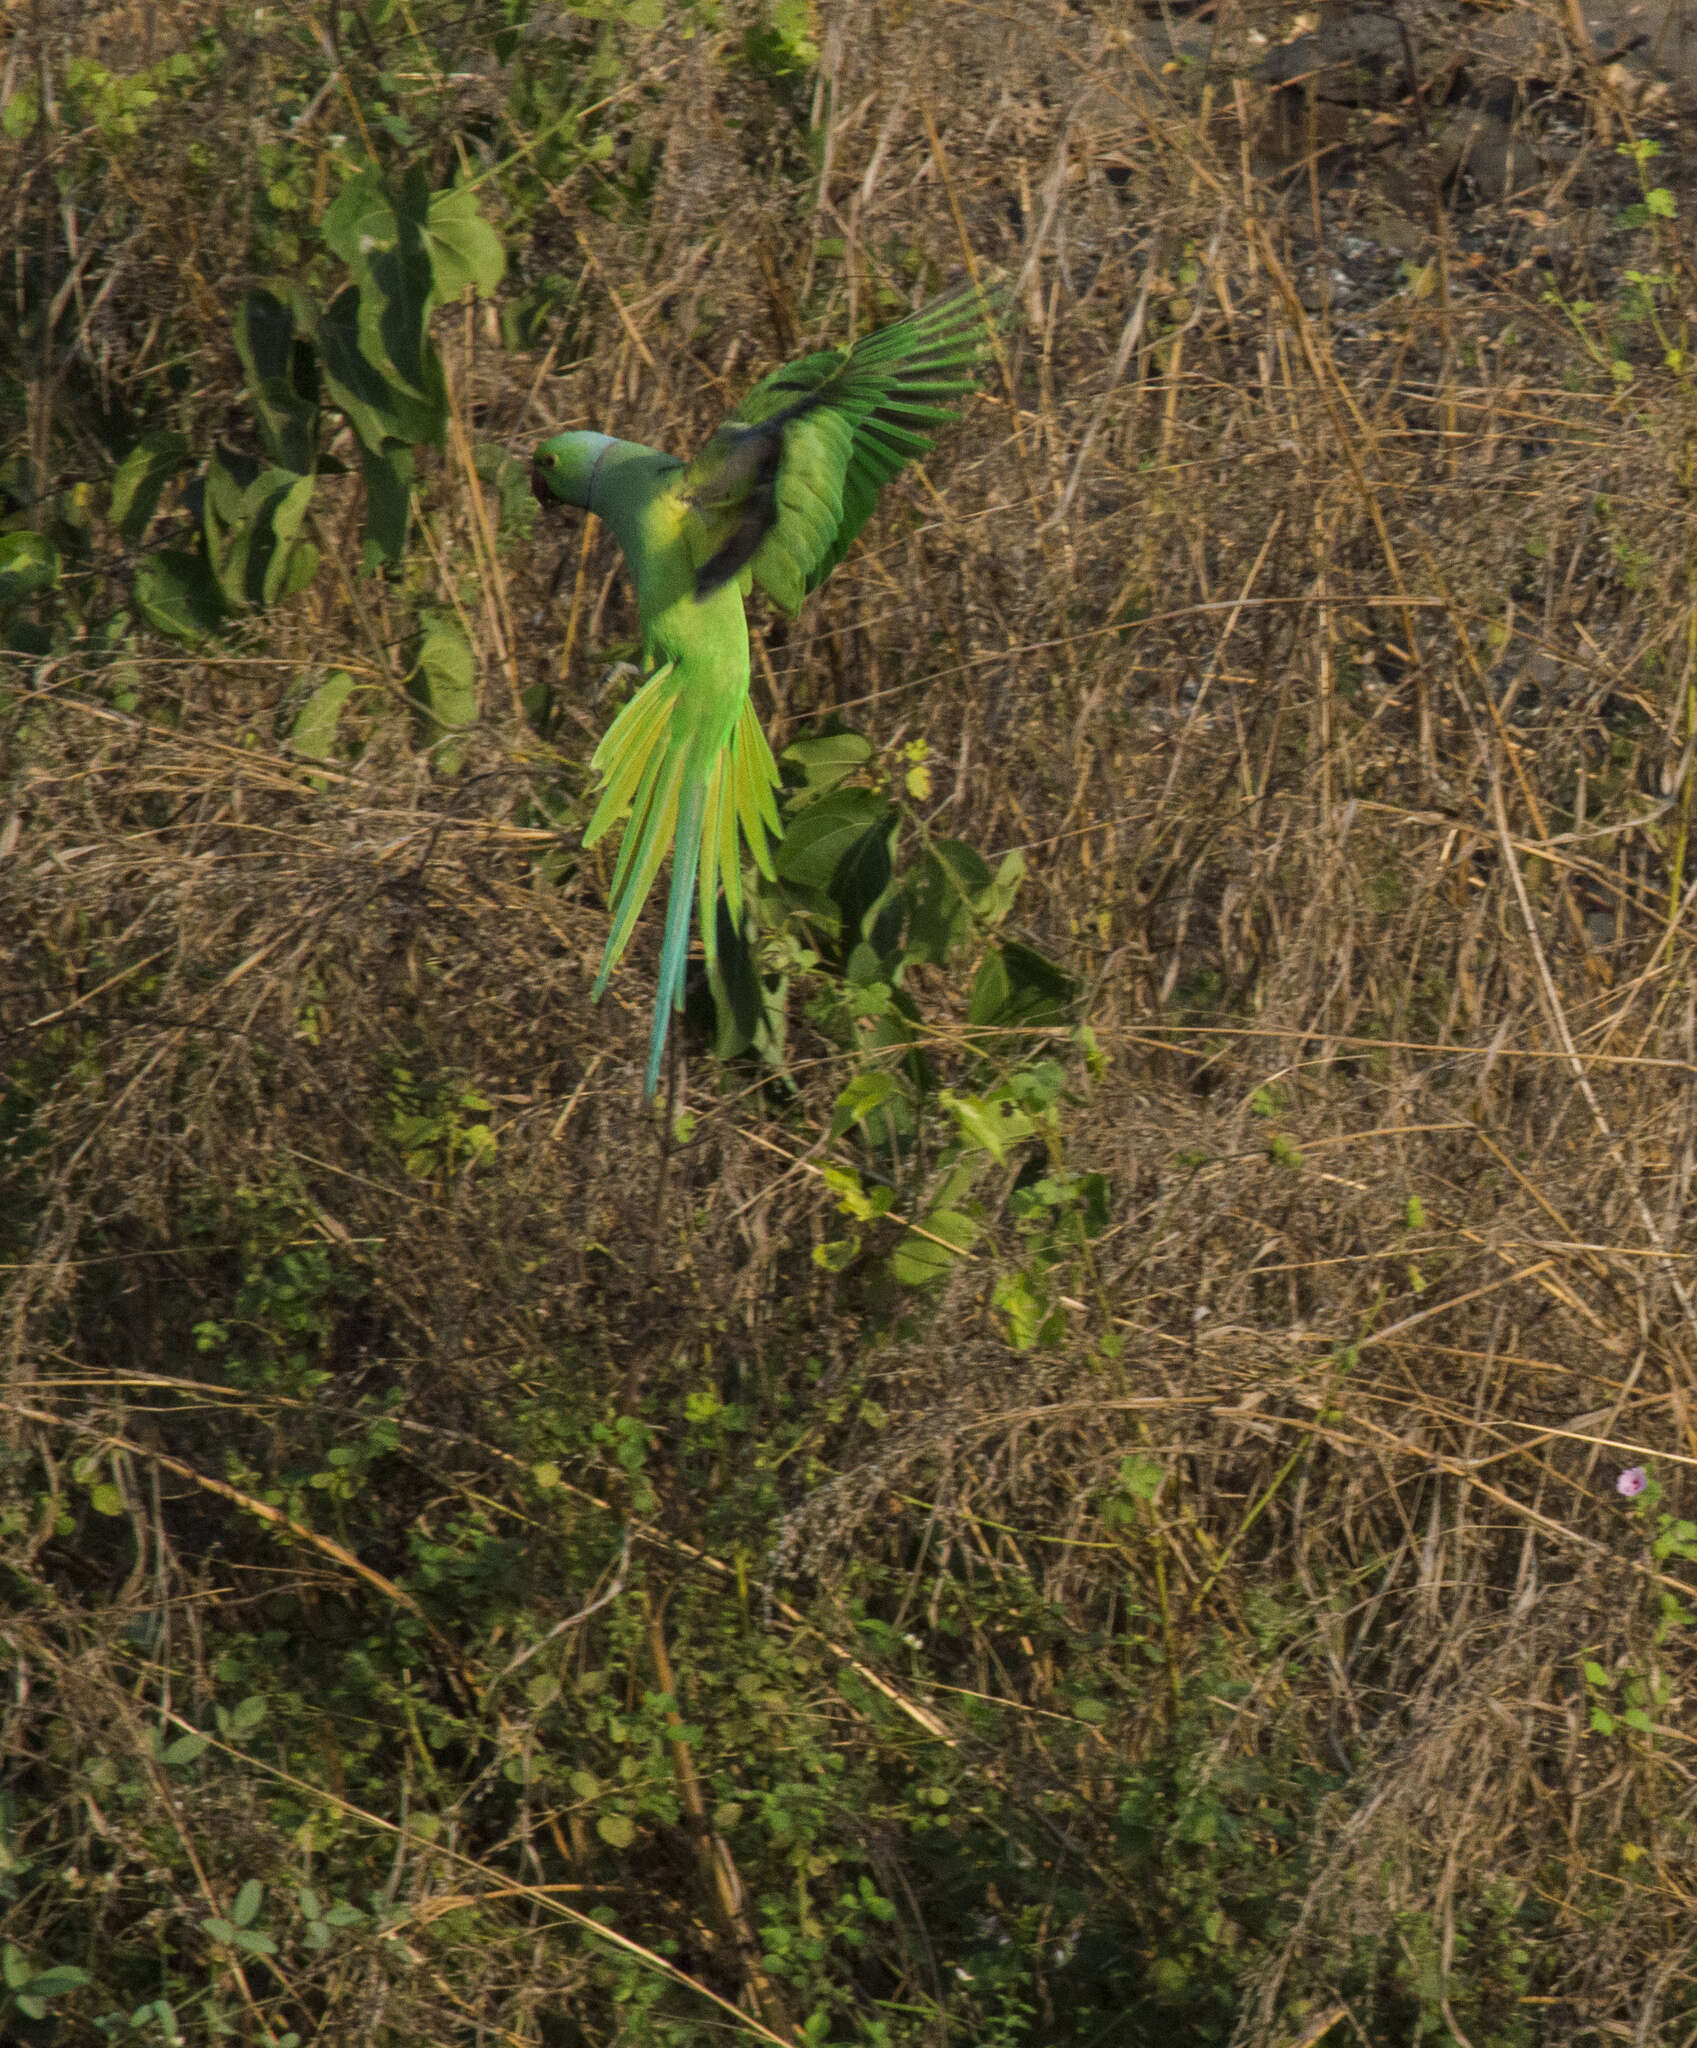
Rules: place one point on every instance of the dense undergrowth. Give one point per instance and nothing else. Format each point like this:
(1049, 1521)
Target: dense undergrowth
(1064, 1490)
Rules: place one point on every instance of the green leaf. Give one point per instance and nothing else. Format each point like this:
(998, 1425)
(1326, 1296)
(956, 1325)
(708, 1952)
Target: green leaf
(815, 842)
(16, 1966)
(186, 1749)
(860, 887)
(1635, 1717)
(292, 562)
(356, 387)
(918, 1261)
(836, 1254)
(219, 1929)
(252, 532)
(998, 899)
(1596, 1675)
(380, 365)
(388, 472)
(444, 684)
(360, 220)
(141, 480)
(854, 1201)
(248, 1902)
(866, 970)
(965, 867)
(464, 248)
(264, 334)
(1141, 1477)
(282, 379)
(313, 734)
(29, 562)
(54, 1983)
(1016, 986)
(1024, 1307)
(946, 881)
(953, 1226)
(782, 43)
(617, 1830)
(864, 1094)
(821, 762)
(20, 113)
(1093, 1712)
(987, 1124)
(395, 287)
(105, 1499)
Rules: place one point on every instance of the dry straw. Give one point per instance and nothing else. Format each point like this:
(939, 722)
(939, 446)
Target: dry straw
(1319, 618)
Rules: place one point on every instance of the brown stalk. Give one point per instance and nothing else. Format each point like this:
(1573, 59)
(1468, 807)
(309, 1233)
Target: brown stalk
(713, 1852)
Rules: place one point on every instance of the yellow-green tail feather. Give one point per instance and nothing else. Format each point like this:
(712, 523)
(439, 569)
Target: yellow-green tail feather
(704, 818)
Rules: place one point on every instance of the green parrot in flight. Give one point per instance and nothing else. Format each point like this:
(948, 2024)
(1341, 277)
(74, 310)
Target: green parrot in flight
(776, 496)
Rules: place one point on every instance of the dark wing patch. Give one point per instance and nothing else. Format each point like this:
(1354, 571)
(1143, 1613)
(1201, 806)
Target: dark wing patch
(742, 490)
(792, 476)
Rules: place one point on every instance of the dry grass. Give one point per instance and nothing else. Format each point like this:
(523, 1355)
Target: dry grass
(1324, 633)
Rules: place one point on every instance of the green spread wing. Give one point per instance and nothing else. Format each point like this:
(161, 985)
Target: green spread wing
(792, 476)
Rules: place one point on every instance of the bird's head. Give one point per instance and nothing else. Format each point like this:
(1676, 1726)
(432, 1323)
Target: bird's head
(565, 468)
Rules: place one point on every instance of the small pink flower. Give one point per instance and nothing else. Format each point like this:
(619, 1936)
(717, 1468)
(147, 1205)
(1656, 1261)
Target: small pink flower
(1631, 1482)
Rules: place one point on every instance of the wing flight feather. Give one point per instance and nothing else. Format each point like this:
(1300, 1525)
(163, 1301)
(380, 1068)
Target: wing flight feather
(788, 481)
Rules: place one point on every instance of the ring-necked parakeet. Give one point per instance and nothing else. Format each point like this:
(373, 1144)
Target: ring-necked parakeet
(777, 495)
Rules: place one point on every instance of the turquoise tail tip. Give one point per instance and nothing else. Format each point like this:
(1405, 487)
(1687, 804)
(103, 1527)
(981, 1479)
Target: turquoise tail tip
(674, 952)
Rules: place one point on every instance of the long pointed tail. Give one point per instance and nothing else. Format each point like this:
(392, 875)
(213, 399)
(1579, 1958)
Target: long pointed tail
(704, 814)
(674, 952)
